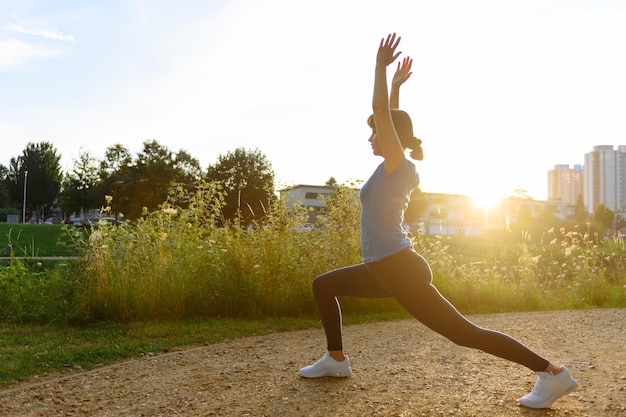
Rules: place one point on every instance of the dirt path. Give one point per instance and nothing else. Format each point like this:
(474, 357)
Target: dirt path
(400, 369)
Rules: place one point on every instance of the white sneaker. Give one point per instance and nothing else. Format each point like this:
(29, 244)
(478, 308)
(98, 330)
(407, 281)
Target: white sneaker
(548, 389)
(327, 366)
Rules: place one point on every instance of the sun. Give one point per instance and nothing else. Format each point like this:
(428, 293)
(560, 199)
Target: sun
(486, 199)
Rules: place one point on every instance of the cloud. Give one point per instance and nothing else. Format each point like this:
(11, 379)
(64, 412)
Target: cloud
(44, 33)
(13, 52)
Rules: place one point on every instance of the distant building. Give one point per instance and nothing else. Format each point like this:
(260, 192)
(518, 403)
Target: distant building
(451, 215)
(605, 178)
(565, 183)
(459, 215)
(310, 196)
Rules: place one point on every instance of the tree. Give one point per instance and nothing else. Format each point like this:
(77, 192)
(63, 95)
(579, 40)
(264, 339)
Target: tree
(187, 168)
(4, 189)
(146, 180)
(604, 215)
(44, 178)
(247, 178)
(7, 206)
(331, 182)
(80, 190)
(116, 176)
(580, 213)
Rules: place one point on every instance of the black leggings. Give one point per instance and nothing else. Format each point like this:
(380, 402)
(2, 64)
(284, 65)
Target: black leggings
(406, 276)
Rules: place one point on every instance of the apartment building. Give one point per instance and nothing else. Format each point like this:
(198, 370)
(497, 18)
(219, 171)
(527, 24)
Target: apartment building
(605, 178)
(565, 183)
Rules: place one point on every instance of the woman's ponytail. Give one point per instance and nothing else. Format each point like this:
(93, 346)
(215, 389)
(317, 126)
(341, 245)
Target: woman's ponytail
(417, 152)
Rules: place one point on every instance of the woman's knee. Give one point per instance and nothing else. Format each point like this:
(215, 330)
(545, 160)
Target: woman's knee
(321, 285)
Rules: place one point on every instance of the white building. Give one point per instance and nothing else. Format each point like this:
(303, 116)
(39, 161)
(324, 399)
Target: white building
(605, 178)
(310, 196)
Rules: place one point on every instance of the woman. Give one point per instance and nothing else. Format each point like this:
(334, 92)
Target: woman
(391, 267)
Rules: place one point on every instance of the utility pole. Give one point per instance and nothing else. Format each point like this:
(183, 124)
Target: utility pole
(24, 206)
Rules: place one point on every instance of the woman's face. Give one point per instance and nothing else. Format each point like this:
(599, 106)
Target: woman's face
(373, 140)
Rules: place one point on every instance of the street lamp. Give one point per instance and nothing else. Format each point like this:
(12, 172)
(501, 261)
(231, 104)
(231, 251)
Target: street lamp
(24, 206)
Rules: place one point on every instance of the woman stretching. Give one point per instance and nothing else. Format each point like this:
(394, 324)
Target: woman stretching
(391, 267)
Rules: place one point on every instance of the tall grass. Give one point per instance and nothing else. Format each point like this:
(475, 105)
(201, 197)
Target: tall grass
(558, 270)
(185, 261)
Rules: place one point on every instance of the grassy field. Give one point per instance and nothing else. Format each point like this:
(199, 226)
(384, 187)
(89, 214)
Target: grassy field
(33, 239)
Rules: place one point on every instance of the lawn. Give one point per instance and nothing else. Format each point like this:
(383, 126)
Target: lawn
(33, 239)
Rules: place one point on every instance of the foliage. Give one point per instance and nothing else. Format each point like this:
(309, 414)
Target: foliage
(38, 166)
(247, 178)
(5, 200)
(183, 261)
(80, 190)
(561, 269)
(33, 294)
(604, 215)
(144, 182)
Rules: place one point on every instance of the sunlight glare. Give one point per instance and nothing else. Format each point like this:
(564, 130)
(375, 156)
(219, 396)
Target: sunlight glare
(485, 199)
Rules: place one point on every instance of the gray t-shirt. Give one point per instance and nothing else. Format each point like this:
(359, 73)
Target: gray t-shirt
(383, 201)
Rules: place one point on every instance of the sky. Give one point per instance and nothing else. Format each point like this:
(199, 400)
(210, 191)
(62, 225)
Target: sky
(501, 91)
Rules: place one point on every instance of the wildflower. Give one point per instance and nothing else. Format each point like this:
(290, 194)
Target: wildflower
(108, 199)
(170, 211)
(95, 236)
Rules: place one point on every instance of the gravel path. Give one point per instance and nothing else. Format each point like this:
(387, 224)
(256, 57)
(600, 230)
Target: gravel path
(400, 369)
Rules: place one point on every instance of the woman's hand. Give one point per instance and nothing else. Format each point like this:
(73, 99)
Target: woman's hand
(403, 72)
(387, 51)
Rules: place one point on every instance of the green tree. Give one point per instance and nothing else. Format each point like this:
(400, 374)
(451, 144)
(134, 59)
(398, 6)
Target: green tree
(116, 176)
(604, 215)
(146, 180)
(7, 206)
(580, 213)
(43, 180)
(80, 190)
(247, 178)
(4, 189)
(187, 169)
